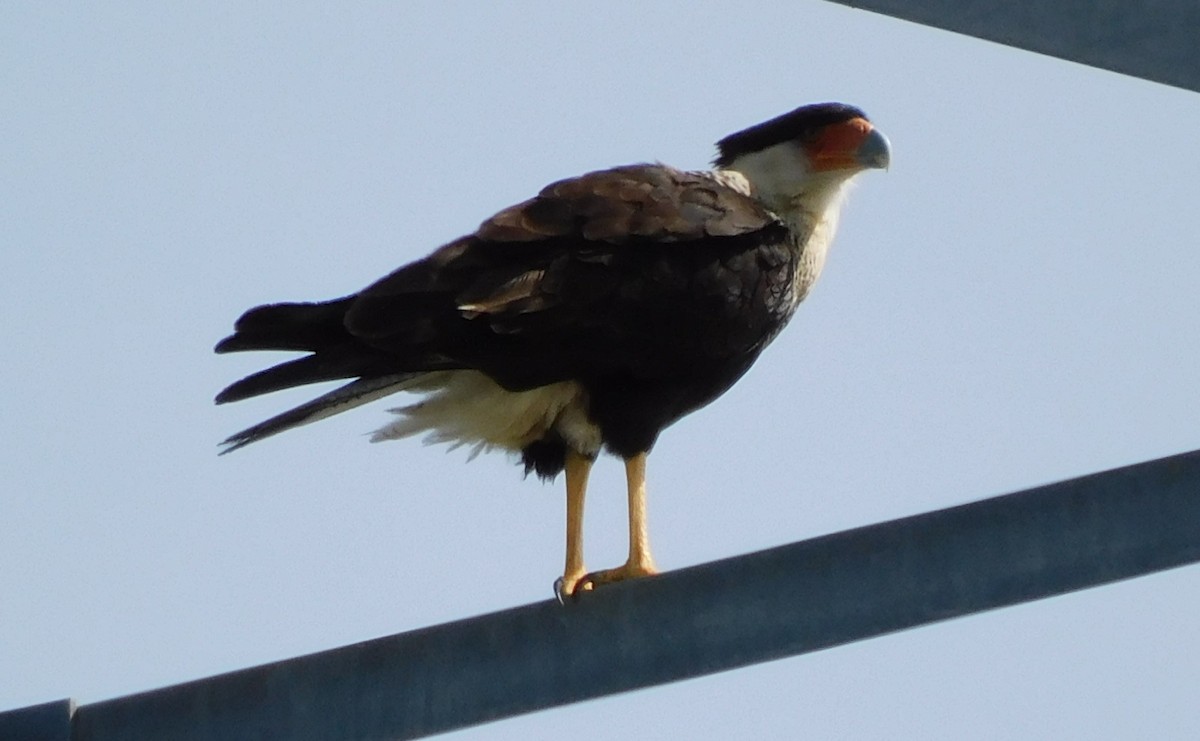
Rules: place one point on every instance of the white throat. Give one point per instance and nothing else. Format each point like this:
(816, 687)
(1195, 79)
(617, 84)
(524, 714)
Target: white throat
(809, 202)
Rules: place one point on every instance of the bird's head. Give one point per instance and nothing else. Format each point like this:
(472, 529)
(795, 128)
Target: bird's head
(803, 158)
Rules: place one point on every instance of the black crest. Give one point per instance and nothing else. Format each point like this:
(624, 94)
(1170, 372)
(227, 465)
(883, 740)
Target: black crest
(796, 125)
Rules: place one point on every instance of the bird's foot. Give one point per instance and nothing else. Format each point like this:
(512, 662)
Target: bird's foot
(570, 586)
(630, 570)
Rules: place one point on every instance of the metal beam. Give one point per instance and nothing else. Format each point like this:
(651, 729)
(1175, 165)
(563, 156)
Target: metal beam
(722, 615)
(50, 721)
(1156, 40)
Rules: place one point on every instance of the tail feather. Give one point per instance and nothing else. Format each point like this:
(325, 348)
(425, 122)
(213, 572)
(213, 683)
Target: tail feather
(316, 328)
(289, 326)
(334, 354)
(314, 368)
(354, 394)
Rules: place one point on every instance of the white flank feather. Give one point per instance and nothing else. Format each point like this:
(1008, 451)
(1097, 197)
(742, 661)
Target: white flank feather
(467, 408)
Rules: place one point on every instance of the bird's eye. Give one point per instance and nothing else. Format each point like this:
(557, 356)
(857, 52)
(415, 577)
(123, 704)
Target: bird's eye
(809, 135)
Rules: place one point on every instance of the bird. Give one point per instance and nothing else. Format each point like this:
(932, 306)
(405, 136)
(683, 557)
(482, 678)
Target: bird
(584, 320)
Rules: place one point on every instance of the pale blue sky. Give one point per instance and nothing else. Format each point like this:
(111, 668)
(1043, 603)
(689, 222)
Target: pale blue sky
(1014, 302)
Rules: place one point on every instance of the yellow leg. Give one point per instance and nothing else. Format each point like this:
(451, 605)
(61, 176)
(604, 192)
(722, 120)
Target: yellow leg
(639, 540)
(640, 562)
(577, 470)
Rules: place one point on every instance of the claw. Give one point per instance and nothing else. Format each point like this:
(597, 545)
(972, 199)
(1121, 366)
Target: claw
(569, 587)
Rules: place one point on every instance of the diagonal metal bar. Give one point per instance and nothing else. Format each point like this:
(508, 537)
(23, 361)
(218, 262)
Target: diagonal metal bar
(718, 616)
(50, 721)
(1156, 40)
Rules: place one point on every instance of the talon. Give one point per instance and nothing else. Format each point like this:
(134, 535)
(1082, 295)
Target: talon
(569, 586)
